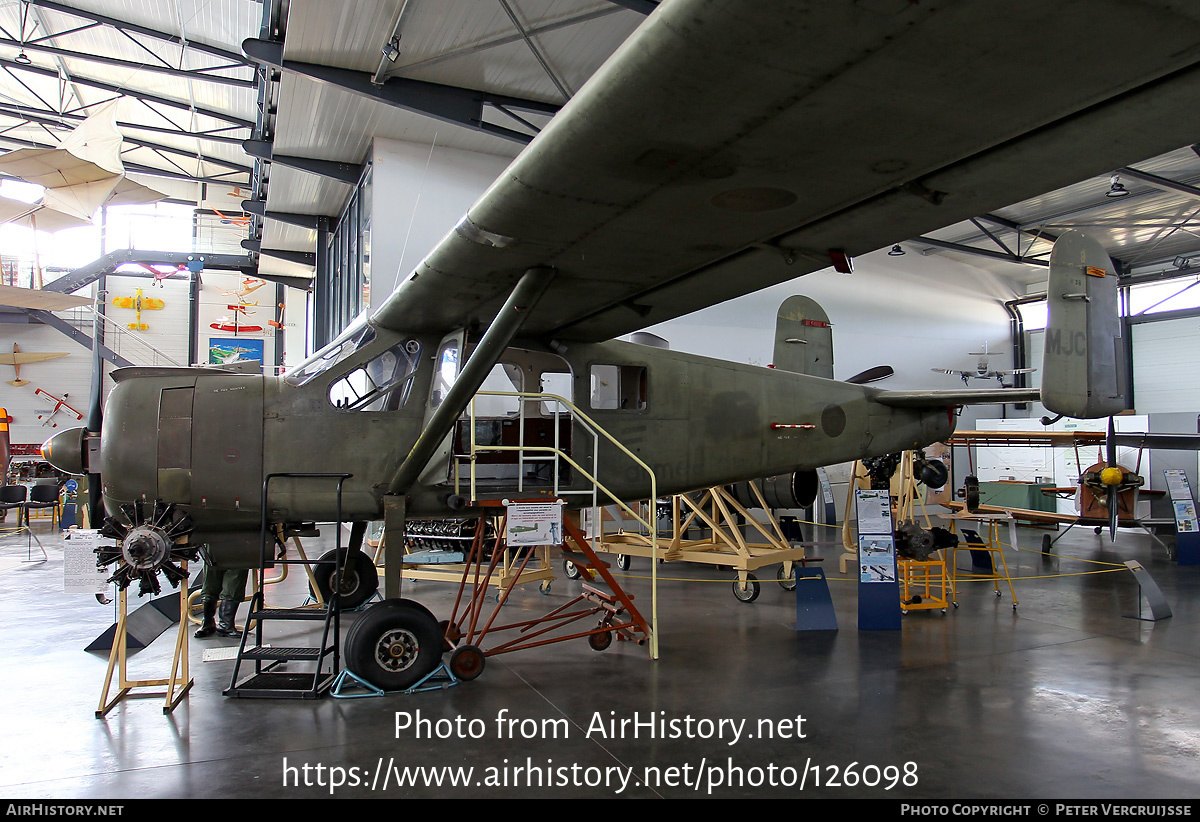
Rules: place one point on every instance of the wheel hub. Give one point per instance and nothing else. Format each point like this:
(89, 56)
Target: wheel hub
(397, 650)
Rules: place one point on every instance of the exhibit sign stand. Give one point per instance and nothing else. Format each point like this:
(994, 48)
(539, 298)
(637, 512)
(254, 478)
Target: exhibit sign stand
(1187, 529)
(878, 587)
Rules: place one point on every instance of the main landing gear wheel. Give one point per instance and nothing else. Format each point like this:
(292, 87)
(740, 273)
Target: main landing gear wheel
(786, 581)
(467, 662)
(623, 562)
(749, 592)
(358, 584)
(599, 642)
(393, 645)
(571, 569)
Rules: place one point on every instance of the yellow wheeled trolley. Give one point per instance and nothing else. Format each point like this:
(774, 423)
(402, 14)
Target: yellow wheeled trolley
(922, 585)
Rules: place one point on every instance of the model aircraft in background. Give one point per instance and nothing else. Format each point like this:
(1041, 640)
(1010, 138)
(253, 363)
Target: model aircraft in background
(724, 148)
(982, 371)
(18, 357)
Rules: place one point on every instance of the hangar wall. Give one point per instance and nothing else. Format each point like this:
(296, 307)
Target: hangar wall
(419, 194)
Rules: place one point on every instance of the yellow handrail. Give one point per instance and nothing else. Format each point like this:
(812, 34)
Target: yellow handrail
(594, 429)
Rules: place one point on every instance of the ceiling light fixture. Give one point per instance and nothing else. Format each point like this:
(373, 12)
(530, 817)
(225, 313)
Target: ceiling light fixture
(896, 251)
(391, 49)
(1116, 188)
(23, 59)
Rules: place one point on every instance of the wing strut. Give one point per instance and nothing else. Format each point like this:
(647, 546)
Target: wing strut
(508, 322)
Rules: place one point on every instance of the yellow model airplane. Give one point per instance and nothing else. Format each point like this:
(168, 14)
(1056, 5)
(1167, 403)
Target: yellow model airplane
(18, 357)
(138, 303)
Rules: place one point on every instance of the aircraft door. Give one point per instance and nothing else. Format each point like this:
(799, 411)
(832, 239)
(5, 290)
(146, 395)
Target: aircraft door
(227, 445)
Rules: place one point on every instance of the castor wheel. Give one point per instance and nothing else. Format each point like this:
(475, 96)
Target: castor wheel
(749, 592)
(571, 569)
(467, 662)
(599, 642)
(623, 562)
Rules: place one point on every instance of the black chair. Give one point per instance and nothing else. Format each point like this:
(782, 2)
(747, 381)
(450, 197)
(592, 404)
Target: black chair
(13, 496)
(43, 496)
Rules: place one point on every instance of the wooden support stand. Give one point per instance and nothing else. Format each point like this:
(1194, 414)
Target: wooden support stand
(177, 684)
(717, 510)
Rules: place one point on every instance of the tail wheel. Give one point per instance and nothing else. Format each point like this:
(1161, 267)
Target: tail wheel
(393, 645)
(358, 582)
(467, 662)
(571, 569)
(151, 539)
(623, 561)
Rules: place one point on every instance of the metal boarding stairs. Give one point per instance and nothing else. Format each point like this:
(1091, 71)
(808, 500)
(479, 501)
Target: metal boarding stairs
(557, 457)
(267, 680)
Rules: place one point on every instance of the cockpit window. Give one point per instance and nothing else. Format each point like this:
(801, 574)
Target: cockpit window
(356, 335)
(382, 384)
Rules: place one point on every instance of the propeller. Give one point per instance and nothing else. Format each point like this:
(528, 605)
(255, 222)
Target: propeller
(879, 372)
(96, 415)
(1112, 476)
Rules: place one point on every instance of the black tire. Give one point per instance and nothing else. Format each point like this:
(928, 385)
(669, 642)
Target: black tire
(393, 645)
(1047, 545)
(750, 592)
(786, 581)
(357, 587)
(571, 569)
(623, 562)
(599, 642)
(467, 662)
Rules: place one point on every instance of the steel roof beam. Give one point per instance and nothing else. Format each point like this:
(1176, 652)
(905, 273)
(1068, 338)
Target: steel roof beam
(191, 74)
(348, 173)
(979, 252)
(301, 257)
(127, 27)
(259, 208)
(640, 6)
(1160, 182)
(91, 272)
(64, 118)
(34, 118)
(131, 92)
(449, 104)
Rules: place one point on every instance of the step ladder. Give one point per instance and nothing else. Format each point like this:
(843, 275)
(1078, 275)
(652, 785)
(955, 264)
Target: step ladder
(267, 680)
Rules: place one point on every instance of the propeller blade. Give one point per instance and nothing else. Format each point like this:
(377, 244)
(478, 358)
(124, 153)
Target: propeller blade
(1113, 502)
(879, 372)
(95, 421)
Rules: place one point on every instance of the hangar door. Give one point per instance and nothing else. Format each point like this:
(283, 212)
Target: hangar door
(1166, 366)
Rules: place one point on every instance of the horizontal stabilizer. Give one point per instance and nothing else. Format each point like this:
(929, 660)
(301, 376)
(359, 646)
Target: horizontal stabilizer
(948, 399)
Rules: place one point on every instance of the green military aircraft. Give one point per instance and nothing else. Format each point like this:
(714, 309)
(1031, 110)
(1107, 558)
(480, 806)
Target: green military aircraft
(725, 147)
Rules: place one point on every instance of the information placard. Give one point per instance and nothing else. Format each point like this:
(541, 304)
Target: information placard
(80, 574)
(533, 523)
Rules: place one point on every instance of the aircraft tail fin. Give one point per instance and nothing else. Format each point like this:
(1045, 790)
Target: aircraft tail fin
(1083, 364)
(803, 338)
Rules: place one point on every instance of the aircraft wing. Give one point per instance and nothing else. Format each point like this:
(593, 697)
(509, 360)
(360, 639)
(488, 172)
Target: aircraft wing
(726, 147)
(16, 297)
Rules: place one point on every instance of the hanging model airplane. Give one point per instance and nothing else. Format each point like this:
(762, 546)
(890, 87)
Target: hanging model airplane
(139, 302)
(982, 371)
(724, 148)
(17, 357)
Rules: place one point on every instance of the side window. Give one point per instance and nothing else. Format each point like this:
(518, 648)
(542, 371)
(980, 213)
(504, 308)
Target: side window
(445, 373)
(618, 387)
(381, 384)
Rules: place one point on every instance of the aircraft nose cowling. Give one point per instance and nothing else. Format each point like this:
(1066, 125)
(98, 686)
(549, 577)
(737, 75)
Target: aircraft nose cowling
(65, 451)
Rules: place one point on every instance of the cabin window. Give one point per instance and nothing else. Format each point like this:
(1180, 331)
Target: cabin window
(349, 341)
(618, 387)
(445, 374)
(381, 384)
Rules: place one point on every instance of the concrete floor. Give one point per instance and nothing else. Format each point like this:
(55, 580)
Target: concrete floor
(1064, 697)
